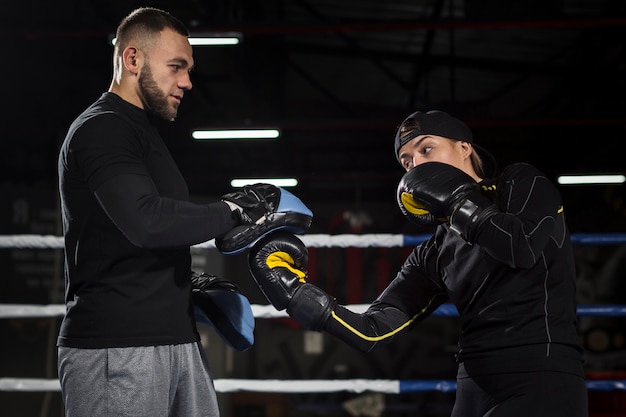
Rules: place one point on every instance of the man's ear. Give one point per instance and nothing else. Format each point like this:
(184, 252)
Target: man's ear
(132, 59)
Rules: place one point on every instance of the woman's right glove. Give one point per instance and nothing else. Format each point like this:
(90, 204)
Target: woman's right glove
(278, 265)
(435, 192)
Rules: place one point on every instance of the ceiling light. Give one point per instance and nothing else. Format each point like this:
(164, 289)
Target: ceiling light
(279, 182)
(215, 39)
(209, 39)
(591, 179)
(236, 134)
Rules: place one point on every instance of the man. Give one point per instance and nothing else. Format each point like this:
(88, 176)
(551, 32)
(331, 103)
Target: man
(128, 344)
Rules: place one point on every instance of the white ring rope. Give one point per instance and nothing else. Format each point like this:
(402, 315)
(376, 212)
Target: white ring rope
(312, 240)
(13, 311)
(385, 240)
(232, 385)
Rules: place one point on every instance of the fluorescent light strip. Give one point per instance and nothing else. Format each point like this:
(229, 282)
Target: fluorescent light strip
(591, 179)
(279, 182)
(236, 134)
(204, 41)
(217, 39)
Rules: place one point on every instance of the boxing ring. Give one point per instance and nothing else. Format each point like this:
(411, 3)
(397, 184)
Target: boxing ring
(227, 385)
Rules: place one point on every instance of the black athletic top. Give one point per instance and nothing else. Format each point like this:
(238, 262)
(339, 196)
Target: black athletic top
(514, 288)
(128, 227)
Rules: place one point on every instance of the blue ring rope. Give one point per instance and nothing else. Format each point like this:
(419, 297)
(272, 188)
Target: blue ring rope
(577, 239)
(407, 386)
(617, 310)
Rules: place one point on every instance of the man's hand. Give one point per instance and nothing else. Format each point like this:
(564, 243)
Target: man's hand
(262, 209)
(225, 308)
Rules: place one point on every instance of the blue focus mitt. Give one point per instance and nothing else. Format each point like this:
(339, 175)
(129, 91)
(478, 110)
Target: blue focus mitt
(262, 209)
(219, 304)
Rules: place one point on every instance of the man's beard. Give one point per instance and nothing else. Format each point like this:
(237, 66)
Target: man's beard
(154, 100)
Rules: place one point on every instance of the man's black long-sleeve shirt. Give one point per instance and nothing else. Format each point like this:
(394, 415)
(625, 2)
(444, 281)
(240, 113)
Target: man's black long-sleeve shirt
(128, 226)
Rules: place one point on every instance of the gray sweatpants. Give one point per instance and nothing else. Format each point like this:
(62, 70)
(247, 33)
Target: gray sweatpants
(155, 381)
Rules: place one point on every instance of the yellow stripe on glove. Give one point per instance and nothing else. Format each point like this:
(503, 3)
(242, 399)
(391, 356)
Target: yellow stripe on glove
(284, 260)
(413, 206)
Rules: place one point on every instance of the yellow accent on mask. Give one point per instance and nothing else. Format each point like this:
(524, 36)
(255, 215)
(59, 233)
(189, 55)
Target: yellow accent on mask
(413, 206)
(284, 260)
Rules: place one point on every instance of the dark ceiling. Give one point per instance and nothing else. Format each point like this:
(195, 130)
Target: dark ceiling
(540, 81)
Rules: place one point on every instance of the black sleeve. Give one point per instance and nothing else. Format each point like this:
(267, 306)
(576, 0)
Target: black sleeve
(410, 298)
(150, 221)
(530, 207)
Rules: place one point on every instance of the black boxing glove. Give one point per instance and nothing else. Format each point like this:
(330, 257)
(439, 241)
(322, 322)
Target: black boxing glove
(262, 209)
(222, 306)
(278, 265)
(435, 192)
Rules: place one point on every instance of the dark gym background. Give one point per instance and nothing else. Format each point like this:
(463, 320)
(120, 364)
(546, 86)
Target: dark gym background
(540, 81)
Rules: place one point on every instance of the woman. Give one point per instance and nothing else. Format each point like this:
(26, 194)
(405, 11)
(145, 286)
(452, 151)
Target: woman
(501, 252)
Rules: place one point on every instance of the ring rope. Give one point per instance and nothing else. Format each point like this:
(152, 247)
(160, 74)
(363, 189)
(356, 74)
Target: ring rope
(386, 386)
(317, 240)
(12, 311)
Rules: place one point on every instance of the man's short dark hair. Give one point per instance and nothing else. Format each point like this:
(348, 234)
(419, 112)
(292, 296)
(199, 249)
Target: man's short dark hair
(144, 22)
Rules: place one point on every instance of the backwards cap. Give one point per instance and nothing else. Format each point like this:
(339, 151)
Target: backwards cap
(439, 123)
